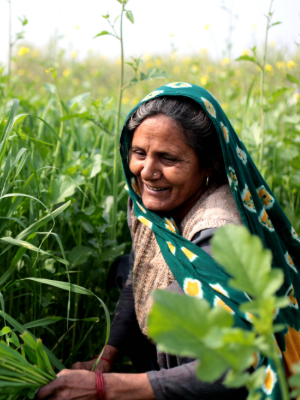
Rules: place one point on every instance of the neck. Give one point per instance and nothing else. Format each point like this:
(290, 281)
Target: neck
(180, 212)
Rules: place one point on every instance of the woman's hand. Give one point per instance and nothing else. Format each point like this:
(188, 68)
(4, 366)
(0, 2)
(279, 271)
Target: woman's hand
(81, 385)
(70, 385)
(110, 353)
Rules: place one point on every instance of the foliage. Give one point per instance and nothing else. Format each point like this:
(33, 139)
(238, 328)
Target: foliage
(62, 215)
(20, 378)
(189, 327)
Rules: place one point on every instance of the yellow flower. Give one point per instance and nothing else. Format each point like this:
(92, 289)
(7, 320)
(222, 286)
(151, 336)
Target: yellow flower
(173, 56)
(158, 62)
(204, 79)
(21, 72)
(187, 60)
(125, 100)
(76, 81)
(194, 68)
(225, 61)
(149, 64)
(268, 68)
(119, 61)
(206, 27)
(67, 72)
(23, 50)
(254, 26)
(280, 64)
(296, 97)
(291, 64)
(171, 34)
(77, 27)
(224, 106)
(148, 56)
(203, 50)
(273, 43)
(135, 101)
(74, 54)
(42, 89)
(176, 70)
(245, 52)
(210, 68)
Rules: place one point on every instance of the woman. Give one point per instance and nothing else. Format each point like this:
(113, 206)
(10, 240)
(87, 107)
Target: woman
(179, 151)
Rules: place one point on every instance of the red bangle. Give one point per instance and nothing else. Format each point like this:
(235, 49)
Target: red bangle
(105, 359)
(100, 386)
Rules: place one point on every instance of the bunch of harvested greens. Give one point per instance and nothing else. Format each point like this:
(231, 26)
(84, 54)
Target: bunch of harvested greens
(22, 373)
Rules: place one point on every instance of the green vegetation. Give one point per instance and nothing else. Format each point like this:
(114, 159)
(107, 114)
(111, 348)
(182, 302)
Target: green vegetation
(190, 327)
(62, 202)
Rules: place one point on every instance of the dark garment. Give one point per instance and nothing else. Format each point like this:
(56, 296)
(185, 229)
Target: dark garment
(171, 377)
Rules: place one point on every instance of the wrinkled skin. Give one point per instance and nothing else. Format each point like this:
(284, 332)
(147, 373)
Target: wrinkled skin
(161, 158)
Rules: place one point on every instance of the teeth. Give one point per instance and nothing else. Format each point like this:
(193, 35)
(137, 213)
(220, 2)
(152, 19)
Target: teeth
(157, 189)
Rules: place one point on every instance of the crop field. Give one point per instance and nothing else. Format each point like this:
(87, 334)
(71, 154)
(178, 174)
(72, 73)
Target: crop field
(62, 199)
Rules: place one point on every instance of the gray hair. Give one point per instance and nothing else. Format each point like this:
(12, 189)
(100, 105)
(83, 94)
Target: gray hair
(199, 130)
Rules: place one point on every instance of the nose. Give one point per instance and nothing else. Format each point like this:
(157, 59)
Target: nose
(150, 168)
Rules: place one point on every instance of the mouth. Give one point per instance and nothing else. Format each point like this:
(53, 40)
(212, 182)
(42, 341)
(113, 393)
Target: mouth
(154, 189)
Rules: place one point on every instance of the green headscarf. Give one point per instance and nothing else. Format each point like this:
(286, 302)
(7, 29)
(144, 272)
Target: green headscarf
(197, 272)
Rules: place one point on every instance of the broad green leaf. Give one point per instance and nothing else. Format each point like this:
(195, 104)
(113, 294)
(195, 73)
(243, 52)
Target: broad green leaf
(293, 79)
(246, 58)
(61, 188)
(85, 114)
(180, 324)
(78, 100)
(102, 33)
(96, 161)
(244, 258)
(5, 330)
(155, 73)
(129, 16)
(112, 252)
(50, 88)
(278, 93)
(79, 255)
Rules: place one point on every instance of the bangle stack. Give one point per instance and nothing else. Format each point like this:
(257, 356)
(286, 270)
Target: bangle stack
(100, 386)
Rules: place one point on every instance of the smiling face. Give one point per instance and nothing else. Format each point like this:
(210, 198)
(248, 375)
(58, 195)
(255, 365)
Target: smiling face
(167, 169)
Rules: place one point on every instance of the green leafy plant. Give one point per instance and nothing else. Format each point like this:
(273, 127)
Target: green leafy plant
(23, 368)
(190, 327)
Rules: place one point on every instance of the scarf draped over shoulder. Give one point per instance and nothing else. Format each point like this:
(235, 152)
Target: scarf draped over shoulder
(165, 253)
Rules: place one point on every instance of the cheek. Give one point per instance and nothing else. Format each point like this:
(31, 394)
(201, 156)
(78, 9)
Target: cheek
(134, 166)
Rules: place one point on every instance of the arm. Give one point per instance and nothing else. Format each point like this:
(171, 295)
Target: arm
(75, 385)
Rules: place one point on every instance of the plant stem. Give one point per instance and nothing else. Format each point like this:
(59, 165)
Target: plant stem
(60, 133)
(116, 142)
(281, 375)
(262, 79)
(9, 49)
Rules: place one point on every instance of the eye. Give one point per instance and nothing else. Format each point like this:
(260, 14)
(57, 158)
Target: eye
(139, 153)
(168, 160)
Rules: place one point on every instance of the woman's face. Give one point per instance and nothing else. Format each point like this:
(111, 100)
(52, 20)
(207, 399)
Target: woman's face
(167, 169)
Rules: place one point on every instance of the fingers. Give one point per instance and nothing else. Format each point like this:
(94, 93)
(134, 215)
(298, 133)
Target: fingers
(49, 389)
(78, 365)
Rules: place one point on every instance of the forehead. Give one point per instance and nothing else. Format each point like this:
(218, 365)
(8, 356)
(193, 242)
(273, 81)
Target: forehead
(159, 130)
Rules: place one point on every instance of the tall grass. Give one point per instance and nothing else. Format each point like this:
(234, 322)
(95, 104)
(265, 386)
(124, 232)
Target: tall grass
(62, 203)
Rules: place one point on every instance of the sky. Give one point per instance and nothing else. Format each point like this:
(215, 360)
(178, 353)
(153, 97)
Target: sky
(191, 25)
